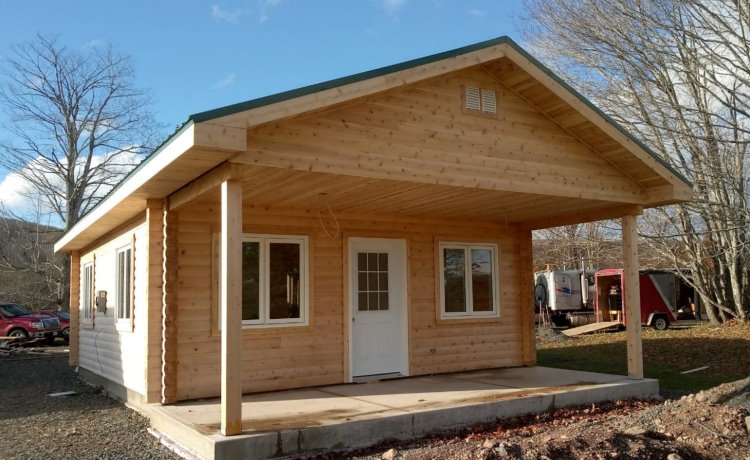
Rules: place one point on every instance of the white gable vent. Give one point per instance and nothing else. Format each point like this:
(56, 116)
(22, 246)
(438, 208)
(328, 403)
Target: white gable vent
(473, 99)
(480, 100)
(489, 102)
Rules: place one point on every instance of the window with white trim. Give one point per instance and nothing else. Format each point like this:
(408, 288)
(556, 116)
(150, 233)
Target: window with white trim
(469, 280)
(87, 292)
(124, 285)
(274, 280)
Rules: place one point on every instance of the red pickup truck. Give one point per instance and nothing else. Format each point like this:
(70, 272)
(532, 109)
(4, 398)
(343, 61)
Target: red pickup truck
(16, 321)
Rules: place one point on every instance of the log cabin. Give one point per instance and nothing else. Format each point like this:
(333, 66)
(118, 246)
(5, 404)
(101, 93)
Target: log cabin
(372, 226)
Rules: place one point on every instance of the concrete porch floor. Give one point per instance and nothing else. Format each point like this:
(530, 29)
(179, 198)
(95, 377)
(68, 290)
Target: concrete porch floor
(292, 422)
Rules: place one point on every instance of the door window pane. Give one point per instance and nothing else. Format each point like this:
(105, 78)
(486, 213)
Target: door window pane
(284, 271)
(372, 281)
(454, 263)
(250, 280)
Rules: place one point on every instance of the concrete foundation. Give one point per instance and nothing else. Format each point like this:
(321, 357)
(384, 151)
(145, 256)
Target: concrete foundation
(336, 417)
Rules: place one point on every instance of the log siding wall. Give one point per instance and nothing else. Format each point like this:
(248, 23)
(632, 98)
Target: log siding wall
(297, 356)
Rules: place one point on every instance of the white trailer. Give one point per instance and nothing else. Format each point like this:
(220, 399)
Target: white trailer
(566, 295)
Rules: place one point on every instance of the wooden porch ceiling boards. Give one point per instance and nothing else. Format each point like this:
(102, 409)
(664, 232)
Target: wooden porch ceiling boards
(285, 188)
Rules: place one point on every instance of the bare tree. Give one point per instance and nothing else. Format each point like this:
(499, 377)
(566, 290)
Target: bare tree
(30, 272)
(677, 73)
(77, 124)
(564, 247)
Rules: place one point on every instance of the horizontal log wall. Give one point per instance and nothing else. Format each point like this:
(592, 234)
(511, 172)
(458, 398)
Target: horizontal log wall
(423, 135)
(288, 357)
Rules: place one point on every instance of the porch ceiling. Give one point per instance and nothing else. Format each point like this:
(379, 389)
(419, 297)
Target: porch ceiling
(286, 188)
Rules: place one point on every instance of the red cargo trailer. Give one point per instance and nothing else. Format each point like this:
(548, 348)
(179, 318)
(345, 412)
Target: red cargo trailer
(658, 297)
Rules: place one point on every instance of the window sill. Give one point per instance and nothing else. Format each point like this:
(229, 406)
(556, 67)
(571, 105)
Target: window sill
(468, 319)
(123, 325)
(254, 329)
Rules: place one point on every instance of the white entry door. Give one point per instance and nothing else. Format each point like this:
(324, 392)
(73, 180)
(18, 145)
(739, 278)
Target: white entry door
(377, 281)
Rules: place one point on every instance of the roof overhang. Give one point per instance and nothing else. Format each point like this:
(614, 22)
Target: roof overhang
(192, 150)
(209, 139)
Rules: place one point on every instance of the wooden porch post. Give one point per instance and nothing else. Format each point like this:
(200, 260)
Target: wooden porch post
(526, 291)
(153, 305)
(75, 305)
(231, 308)
(632, 295)
(169, 305)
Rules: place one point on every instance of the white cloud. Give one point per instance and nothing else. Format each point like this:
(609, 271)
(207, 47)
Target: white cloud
(96, 43)
(392, 5)
(221, 14)
(14, 191)
(265, 6)
(20, 198)
(477, 12)
(226, 81)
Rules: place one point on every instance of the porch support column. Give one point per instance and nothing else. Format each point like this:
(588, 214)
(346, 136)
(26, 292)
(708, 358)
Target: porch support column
(231, 308)
(631, 292)
(153, 307)
(169, 305)
(526, 292)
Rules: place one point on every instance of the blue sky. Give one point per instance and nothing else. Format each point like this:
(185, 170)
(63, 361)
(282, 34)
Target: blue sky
(198, 55)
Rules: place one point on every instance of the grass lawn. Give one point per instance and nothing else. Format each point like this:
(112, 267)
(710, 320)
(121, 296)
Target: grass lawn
(725, 349)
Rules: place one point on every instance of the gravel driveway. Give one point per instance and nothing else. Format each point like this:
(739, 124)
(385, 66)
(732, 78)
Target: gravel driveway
(88, 425)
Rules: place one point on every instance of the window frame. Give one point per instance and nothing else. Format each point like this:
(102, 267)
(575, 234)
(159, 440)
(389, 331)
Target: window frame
(467, 247)
(87, 305)
(264, 314)
(124, 322)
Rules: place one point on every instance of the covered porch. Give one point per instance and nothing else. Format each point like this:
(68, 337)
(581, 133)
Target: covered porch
(394, 154)
(344, 416)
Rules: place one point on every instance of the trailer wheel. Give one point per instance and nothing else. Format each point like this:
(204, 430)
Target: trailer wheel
(660, 323)
(540, 295)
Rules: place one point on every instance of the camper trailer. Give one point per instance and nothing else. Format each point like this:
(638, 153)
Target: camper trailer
(567, 295)
(658, 293)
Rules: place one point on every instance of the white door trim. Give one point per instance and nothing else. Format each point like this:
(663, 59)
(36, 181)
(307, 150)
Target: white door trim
(404, 314)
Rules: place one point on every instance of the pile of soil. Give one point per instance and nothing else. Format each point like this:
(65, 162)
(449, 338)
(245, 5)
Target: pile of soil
(548, 334)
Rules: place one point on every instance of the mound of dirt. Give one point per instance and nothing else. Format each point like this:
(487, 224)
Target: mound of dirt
(548, 334)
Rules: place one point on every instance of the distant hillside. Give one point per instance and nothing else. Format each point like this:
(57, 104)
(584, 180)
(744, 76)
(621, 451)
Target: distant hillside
(30, 273)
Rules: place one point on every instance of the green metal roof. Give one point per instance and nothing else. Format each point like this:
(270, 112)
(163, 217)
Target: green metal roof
(335, 83)
(338, 82)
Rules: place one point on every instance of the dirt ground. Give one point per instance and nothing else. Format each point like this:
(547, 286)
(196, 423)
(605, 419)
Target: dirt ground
(84, 425)
(712, 424)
